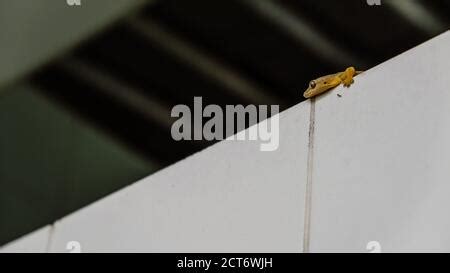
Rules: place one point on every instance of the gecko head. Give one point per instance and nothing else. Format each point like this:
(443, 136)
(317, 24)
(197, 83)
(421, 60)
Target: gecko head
(310, 91)
(316, 87)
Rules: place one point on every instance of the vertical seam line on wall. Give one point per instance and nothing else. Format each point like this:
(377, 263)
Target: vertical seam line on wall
(50, 236)
(309, 176)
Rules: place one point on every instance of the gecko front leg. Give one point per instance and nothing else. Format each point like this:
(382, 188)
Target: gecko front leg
(347, 76)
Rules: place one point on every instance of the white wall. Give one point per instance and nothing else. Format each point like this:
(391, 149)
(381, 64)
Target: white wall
(380, 172)
(382, 154)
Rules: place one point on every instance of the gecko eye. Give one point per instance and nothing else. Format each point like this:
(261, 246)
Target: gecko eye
(312, 84)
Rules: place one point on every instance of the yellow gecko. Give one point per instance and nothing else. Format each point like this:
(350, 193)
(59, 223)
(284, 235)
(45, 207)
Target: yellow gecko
(325, 83)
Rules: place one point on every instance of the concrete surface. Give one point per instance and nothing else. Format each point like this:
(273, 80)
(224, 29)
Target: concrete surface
(379, 169)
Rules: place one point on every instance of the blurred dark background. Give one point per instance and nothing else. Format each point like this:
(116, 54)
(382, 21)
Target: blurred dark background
(95, 117)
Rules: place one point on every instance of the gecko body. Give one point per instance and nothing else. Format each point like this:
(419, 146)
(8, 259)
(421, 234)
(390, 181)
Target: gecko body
(325, 83)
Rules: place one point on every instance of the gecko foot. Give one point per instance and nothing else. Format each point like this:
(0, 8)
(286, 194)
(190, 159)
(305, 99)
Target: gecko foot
(348, 81)
(348, 76)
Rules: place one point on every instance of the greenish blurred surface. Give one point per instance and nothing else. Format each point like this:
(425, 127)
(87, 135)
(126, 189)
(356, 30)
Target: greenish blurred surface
(52, 164)
(33, 32)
